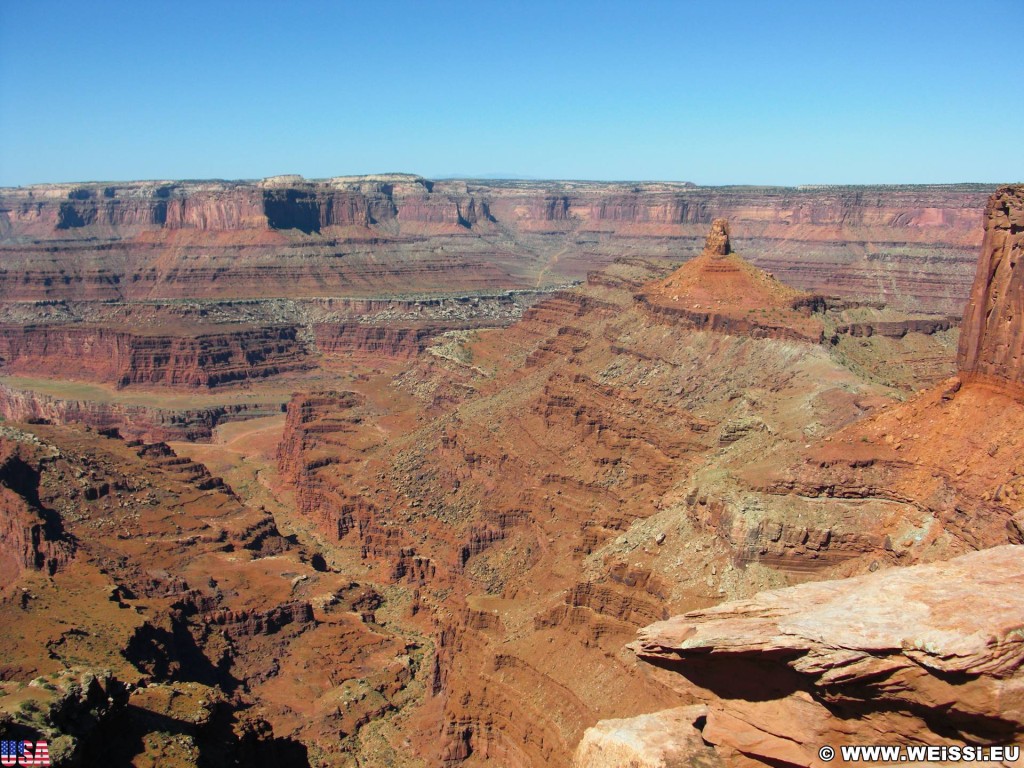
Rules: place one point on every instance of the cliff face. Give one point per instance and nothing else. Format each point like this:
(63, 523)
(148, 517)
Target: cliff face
(924, 654)
(31, 536)
(377, 341)
(131, 421)
(992, 334)
(181, 591)
(538, 497)
(309, 206)
(203, 359)
(948, 451)
(372, 235)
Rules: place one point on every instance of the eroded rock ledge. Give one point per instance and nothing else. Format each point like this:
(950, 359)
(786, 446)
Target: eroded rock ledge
(930, 654)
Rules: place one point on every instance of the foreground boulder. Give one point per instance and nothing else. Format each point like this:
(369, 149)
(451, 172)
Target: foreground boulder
(923, 655)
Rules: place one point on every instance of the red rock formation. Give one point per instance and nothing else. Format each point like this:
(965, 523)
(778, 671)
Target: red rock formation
(722, 292)
(717, 242)
(931, 478)
(31, 536)
(523, 484)
(992, 335)
(925, 655)
(203, 358)
(949, 452)
(529, 507)
(377, 341)
(897, 329)
(132, 421)
(243, 624)
(373, 235)
(658, 740)
(174, 579)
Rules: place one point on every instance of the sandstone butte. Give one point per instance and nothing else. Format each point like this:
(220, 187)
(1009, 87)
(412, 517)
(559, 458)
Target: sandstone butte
(929, 654)
(476, 497)
(721, 291)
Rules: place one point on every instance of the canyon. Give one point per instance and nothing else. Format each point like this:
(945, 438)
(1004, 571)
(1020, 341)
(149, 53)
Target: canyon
(840, 663)
(286, 237)
(345, 472)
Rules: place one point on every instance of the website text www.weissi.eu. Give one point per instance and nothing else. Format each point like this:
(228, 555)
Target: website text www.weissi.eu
(951, 753)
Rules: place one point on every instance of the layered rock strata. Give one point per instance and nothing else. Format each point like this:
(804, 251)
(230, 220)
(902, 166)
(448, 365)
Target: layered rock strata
(197, 358)
(926, 655)
(949, 452)
(542, 473)
(720, 291)
(151, 423)
(287, 236)
(230, 640)
(376, 342)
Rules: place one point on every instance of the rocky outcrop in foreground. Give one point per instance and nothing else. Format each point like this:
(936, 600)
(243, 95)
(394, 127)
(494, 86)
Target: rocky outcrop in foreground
(922, 655)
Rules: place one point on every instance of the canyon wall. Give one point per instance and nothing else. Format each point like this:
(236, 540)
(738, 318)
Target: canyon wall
(145, 422)
(557, 492)
(200, 358)
(912, 246)
(378, 341)
(31, 536)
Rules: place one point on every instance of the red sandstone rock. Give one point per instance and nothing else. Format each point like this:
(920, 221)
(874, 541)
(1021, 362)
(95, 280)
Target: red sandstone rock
(378, 341)
(925, 655)
(29, 537)
(723, 292)
(949, 452)
(992, 335)
(172, 577)
(717, 242)
(200, 358)
(132, 421)
(666, 739)
(511, 502)
(518, 488)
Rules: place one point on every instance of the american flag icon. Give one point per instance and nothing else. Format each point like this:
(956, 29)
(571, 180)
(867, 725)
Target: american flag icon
(24, 753)
(10, 751)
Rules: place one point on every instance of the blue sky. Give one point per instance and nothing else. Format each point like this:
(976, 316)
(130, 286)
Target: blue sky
(712, 92)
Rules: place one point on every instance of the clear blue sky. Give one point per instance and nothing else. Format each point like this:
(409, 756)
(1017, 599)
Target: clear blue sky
(713, 92)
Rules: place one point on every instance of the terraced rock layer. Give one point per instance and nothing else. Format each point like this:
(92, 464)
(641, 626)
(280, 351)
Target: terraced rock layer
(200, 358)
(545, 476)
(520, 497)
(930, 655)
(375, 342)
(949, 452)
(212, 637)
(373, 236)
